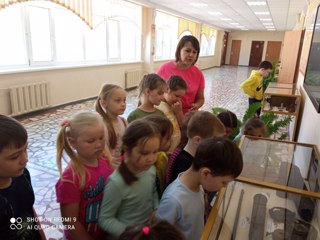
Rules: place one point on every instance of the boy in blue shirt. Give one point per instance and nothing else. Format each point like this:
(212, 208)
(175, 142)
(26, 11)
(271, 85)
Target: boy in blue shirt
(216, 163)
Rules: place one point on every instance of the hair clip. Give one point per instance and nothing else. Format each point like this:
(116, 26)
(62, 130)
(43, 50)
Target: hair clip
(65, 123)
(146, 230)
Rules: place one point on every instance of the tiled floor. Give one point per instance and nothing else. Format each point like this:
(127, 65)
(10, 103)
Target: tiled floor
(222, 90)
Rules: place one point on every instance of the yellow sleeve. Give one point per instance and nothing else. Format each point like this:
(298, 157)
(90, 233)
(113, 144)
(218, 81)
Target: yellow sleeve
(248, 86)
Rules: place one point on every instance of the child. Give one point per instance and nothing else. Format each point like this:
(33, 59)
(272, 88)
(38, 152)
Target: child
(80, 187)
(202, 125)
(110, 104)
(130, 195)
(229, 120)
(156, 229)
(217, 162)
(172, 108)
(165, 128)
(253, 85)
(16, 193)
(253, 127)
(151, 90)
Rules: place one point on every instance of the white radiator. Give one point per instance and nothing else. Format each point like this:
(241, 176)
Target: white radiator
(133, 78)
(29, 98)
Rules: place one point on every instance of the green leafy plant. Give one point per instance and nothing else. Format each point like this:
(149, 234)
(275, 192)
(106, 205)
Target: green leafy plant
(271, 77)
(272, 121)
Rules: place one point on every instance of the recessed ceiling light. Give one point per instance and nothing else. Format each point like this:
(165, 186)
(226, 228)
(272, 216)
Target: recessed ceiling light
(244, 29)
(226, 19)
(234, 23)
(198, 4)
(215, 13)
(271, 29)
(240, 26)
(267, 23)
(261, 13)
(262, 3)
(269, 26)
(265, 19)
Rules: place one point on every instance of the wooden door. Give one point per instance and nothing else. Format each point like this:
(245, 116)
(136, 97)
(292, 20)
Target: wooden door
(256, 53)
(224, 48)
(290, 56)
(235, 52)
(273, 51)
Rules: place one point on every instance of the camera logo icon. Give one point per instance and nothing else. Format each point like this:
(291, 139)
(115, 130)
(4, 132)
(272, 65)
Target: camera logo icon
(15, 223)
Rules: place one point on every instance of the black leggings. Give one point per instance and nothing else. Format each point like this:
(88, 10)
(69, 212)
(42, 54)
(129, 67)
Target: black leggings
(253, 100)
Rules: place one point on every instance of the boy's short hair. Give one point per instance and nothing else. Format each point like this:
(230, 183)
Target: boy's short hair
(176, 82)
(204, 124)
(265, 65)
(220, 155)
(12, 133)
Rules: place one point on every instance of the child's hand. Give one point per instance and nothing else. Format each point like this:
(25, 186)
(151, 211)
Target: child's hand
(194, 107)
(176, 107)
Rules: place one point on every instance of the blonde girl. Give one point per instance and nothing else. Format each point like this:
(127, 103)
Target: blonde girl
(111, 103)
(151, 90)
(130, 195)
(80, 187)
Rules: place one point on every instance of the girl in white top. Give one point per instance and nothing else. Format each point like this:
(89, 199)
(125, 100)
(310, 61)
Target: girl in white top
(110, 104)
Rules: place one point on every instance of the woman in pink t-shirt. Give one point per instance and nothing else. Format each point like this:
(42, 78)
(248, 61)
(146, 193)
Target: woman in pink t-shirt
(187, 54)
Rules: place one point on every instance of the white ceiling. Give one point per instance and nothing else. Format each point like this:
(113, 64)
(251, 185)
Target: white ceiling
(283, 13)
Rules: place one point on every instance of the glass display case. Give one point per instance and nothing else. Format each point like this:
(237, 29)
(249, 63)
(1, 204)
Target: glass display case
(247, 211)
(275, 197)
(283, 99)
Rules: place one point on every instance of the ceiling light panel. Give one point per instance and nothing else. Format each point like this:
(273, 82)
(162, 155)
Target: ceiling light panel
(198, 4)
(261, 13)
(260, 3)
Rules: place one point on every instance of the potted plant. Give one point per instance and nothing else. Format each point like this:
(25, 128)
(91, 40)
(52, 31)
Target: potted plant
(272, 121)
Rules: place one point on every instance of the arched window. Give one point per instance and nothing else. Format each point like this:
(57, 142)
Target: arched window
(166, 35)
(203, 45)
(43, 33)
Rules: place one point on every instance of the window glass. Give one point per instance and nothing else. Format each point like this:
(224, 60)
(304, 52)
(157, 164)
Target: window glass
(39, 25)
(68, 36)
(166, 35)
(128, 41)
(12, 41)
(113, 39)
(212, 45)
(95, 41)
(203, 45)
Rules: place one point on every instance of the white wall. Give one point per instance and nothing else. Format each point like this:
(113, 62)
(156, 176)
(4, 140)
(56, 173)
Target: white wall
(246, 38)
(310, 120)
(66, 85)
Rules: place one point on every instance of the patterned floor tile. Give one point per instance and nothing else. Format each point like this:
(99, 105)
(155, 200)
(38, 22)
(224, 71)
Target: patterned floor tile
(222, 90)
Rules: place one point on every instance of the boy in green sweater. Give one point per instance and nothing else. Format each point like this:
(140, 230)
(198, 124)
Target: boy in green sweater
(253, 85)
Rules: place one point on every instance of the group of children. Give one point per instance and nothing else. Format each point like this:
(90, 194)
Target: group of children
(119, 183)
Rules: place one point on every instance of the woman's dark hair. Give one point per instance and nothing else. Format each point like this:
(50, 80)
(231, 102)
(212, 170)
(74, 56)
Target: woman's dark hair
(220, 155)
(155, 230)
(12, 133)
(138, 133)
(185, 39)
(229, 119)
